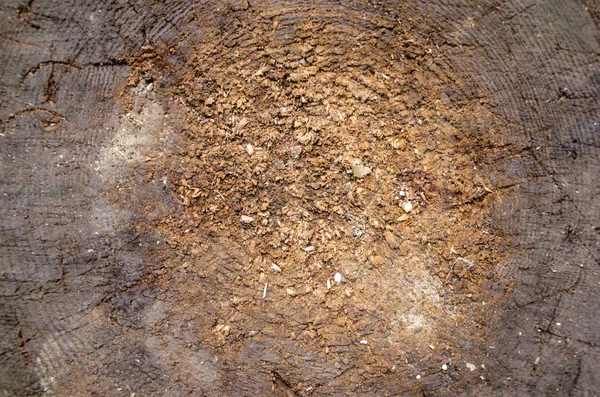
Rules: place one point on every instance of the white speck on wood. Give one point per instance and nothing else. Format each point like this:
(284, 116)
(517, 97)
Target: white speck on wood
(247, 219)
(468, 262)
(276, 268)
(338, 278)
(360, 171)
(265, 290)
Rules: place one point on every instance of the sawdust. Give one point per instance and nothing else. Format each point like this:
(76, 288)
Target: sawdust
(270, 137)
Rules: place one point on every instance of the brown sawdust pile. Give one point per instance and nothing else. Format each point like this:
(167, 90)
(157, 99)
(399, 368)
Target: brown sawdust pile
(269, 204)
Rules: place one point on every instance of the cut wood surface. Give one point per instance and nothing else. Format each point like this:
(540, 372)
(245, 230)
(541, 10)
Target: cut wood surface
(299, 198)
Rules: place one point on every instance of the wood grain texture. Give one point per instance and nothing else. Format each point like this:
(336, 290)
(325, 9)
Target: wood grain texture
(79, 314)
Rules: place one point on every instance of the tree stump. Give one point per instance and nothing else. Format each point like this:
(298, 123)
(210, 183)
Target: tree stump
(299, 198)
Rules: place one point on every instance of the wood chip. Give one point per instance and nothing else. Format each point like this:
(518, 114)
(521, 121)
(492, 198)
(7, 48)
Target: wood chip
(392, 240)
(291, 292)
(360, 171)
(276, 268)
(247, 219)
(337, 278)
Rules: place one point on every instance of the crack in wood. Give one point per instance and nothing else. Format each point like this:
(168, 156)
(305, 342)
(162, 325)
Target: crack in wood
(25, 9)
(279, 382)
(47, 125)
(42, 64)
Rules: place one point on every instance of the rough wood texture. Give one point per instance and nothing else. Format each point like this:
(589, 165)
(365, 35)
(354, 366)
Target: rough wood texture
(90, 304)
